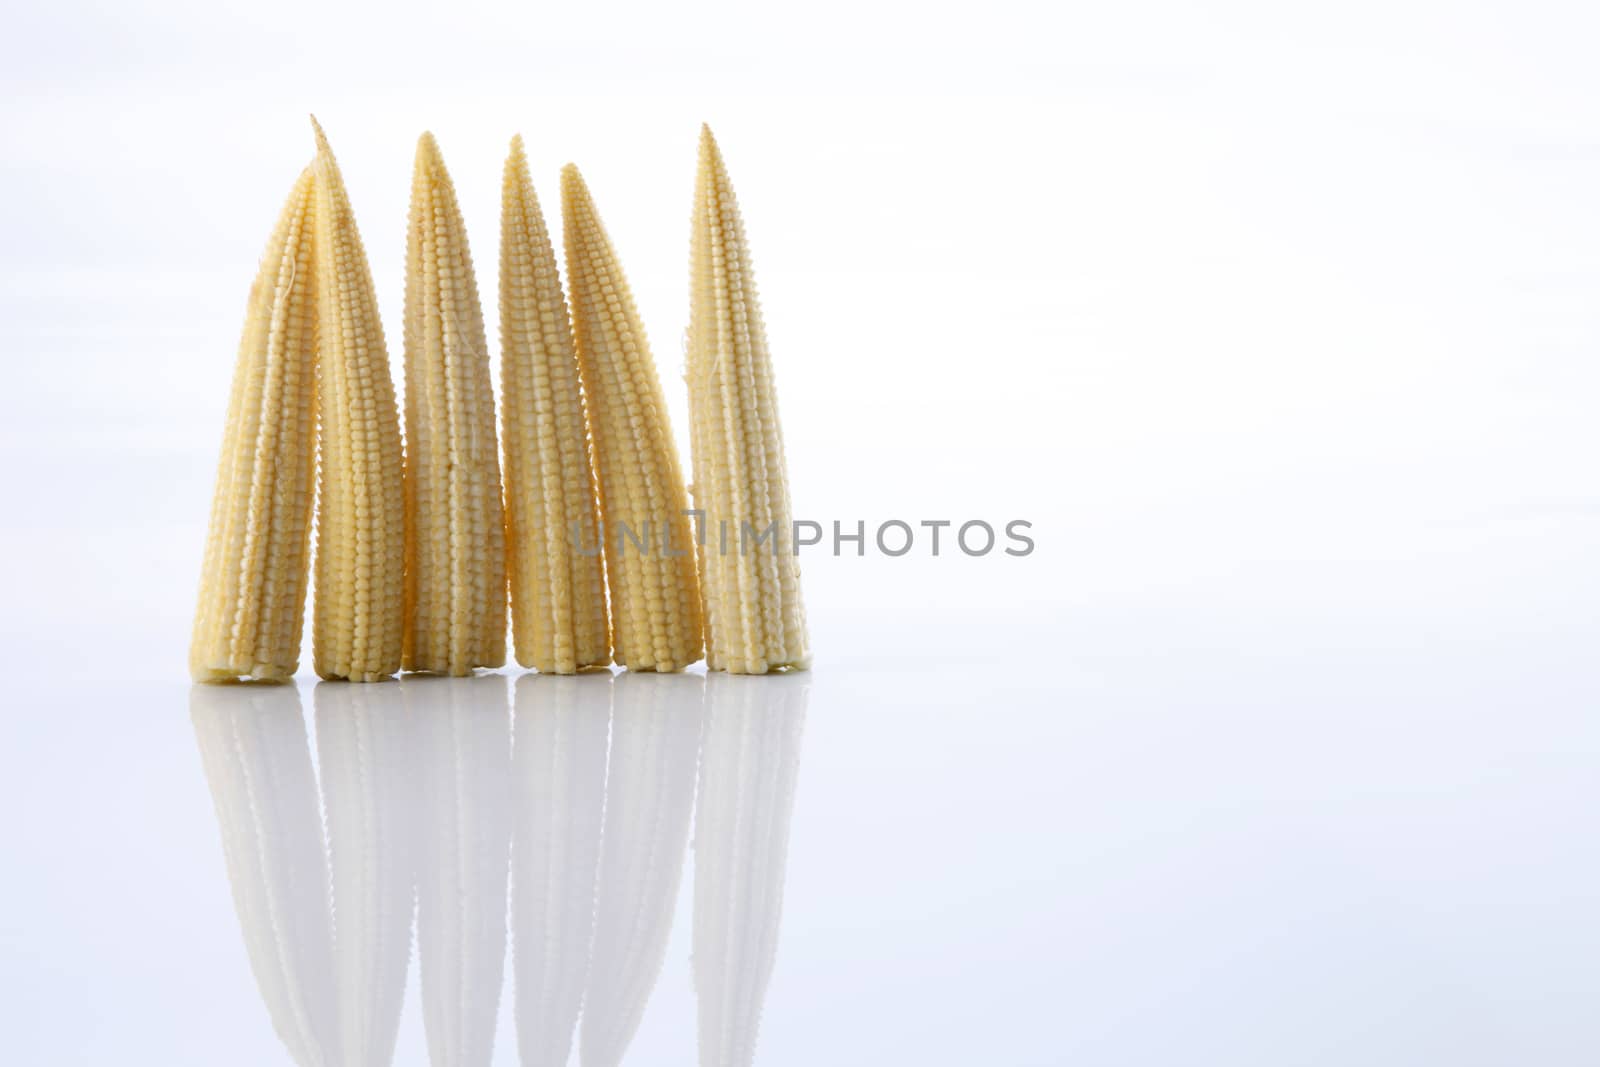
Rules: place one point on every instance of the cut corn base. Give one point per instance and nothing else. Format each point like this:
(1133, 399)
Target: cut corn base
(369, 676)
(558, 598)
(758, 666)
(455, 553)
(256, 674)
(655, 595)
(755, 616)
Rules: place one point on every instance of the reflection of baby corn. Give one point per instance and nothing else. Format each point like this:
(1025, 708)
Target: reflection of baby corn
(366, 756)
(655, 738)
(559, 794)
(465, 837)
(258, 764)
(749, 760)
(418, 790)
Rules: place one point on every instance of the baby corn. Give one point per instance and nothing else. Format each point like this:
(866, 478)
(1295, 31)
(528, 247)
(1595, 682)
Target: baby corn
(253, 580)
(455, 579)
(361, 515)
(755, 619)
(655, 597)
(558, 597)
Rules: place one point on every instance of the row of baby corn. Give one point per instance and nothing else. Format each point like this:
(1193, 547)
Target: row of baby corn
(420, 539)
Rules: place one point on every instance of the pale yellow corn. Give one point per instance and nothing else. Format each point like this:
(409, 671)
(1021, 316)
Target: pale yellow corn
(455, 592)
(655, 596)
(253, 580)
(755, 618)
(558, 597)
(361, 509)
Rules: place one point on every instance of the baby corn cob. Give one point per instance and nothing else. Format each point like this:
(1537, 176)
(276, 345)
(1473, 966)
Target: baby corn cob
(558, 597)
(655, 597)
(755, 619)
(253, 580)
(360, 524)
(455, 592)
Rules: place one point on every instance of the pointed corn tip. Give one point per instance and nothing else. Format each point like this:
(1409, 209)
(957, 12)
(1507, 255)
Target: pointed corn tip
(324, 162)
(428, 154)
(321, 137)
(574, 192)
(516, 184)
(711, 152)
(516, 157)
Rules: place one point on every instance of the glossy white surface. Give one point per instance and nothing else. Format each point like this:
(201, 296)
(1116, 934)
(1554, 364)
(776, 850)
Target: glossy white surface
(1264, 858)
(1277, 320)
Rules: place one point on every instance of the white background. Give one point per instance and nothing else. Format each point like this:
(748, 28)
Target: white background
(1277, 321)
